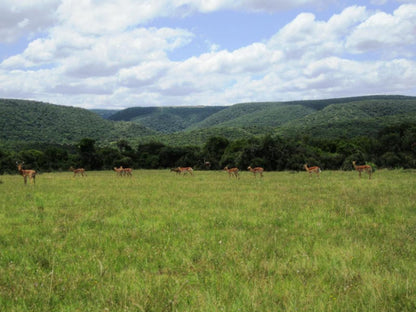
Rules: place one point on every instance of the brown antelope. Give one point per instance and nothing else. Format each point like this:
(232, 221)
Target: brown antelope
(256, 170)
(26, 173)
(119, 171)
(314, 169)
(175, 170)
(127, 171)
(80, 171)
(186, 170)
(366, 168)
(232, 172)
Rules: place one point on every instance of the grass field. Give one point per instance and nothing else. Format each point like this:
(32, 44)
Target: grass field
(162, 242)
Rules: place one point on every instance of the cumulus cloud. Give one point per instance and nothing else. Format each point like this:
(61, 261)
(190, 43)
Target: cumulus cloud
(385, 31)
(25, 17)
(103, 54)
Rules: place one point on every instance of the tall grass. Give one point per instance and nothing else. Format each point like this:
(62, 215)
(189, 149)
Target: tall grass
(163, 242)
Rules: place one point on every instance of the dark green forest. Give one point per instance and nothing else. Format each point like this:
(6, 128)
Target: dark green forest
(380, 130)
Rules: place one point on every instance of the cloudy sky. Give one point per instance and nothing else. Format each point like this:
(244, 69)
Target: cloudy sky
(124, 53)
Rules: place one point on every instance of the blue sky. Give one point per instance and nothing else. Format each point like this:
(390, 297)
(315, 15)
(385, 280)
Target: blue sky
(123, 53)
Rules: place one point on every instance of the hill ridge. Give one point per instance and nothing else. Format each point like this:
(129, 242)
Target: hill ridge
(34, 121)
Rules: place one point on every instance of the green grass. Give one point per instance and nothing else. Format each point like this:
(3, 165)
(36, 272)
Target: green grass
(162, 242)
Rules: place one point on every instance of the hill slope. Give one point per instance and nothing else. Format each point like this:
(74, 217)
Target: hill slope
(29, 121)
(357, 118)
(166, 119)
(302, 116)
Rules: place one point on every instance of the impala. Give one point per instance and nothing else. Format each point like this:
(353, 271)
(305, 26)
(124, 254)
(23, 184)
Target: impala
(80, 171)
(26, 173)
(119, 171)
(311, 170)
(185, 170)
(256, 170)
(175, 170)
(366, 168)
(127, 171)
(232, 171)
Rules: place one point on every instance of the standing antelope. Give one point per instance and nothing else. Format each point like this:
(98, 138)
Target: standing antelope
(232, 172)
(366, 168)
(119, 171)
(185, 170)
(314, 169)
(175, 170)
(127, 171)
(80, 171)
(256, 170)
(26, 173)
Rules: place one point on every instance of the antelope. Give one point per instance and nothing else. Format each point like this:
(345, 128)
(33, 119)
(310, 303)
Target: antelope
(119, 171)
(366, 168)
(26, 173)
(127, 171)
(311, 170)
(232, 171)
(185, 170)
(175, 170)
(76, 171)
(256, 170)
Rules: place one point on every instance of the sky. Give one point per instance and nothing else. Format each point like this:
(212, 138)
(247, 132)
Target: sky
(114, 54)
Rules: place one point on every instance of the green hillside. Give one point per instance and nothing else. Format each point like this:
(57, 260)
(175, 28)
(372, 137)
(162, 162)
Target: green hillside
(301, 115)
(255, 115)
(29, 121)
(105, 113)
(200, 136)
(278, 114)
(358, 118)
(166, 119)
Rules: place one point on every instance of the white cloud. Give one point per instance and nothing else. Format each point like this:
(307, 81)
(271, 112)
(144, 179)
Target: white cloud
(384, 31)
(307, 37)
(25, 17)
(97, 54)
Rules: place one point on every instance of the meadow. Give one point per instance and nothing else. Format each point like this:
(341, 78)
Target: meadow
(162, 242)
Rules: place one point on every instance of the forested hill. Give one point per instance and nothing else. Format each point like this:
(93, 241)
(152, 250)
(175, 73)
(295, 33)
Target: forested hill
(166, 119)
(29, 121)
(352, 116)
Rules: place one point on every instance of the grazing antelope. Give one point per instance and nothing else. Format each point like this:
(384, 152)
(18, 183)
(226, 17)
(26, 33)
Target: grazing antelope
(366, 168)
(127, 171)
(80, 171)
(26, 173)
(232, 172)
(185, 170)
(311, 170)
(175, 170)
(119, 171)
(256, 170)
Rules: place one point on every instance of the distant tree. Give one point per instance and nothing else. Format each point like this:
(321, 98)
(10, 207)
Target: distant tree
(214, 149)
(32, 158)
(110, 157)
(6, 162)
(124, 146)
(232, 156)
(148, 155)
(88, 154)
(56, 158)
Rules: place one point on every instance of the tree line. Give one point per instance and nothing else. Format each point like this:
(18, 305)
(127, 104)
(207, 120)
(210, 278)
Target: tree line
(393, 147)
